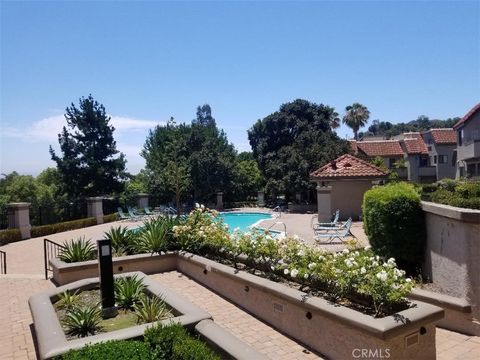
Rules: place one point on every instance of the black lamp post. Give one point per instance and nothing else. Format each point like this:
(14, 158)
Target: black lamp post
(105, 268)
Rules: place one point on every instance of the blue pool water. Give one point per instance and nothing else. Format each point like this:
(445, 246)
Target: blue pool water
(242, 220)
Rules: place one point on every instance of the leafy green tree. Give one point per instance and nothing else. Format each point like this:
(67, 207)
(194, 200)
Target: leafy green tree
(91, 165)
(356, 116)
(292, 142)
(247, 179)
(195, 158)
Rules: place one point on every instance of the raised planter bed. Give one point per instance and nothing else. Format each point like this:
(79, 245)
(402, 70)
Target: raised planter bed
(52, 341)
(330, 329)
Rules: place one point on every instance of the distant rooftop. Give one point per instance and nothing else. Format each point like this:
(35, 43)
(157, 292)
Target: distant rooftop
(443, 136)
(378, 147)
(348, 167)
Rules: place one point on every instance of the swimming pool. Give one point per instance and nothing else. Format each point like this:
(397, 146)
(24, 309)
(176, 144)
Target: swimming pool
(242, 220)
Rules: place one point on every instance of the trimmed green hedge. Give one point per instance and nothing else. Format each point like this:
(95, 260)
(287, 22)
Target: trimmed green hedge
(395, 223)
(110, 218)
(44, 230)
(10, 235)
(111, 350)
(464, 194)
(162, 342)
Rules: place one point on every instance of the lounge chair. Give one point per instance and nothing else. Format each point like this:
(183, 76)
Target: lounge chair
(149, 212)
(331, 234)
(333, 223)
(122, 215)
(133, 215)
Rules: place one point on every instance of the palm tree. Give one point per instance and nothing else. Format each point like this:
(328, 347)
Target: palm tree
(356, 116)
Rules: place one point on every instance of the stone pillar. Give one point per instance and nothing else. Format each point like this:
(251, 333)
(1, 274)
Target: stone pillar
(324, 202)
(261, 199)
(219, 200)
(95, 208)
(19, 218)
(142, 201)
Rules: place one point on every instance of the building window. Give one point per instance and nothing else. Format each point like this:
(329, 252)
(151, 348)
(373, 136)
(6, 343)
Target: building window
(435, 159)
(454, 157)
(429, 148)
(391, 163)
(423, 161)
(442, 159)
(471, 170)
(460, 137)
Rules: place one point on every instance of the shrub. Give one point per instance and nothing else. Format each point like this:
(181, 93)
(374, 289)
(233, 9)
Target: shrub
(38, 231)
(394, 223)
(172, 342)
(77, 250)
(464, 194)
(83, 321)
(128, 291)
(150, 309)
(67, 300)
(10, 235)
(156, 235)
(121, 239)
(110, 218)
(111, 350)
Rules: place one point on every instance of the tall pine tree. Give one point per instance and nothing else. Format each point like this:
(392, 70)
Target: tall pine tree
(91, 165)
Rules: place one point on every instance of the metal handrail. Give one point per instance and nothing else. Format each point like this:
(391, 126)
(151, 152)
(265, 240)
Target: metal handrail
(3, 262)
(50, 251)
(279, 210)
(279, 222)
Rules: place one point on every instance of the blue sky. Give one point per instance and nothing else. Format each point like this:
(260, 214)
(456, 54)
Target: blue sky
(147, 61)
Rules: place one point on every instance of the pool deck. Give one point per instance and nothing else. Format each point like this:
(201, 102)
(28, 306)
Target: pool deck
(25, 278)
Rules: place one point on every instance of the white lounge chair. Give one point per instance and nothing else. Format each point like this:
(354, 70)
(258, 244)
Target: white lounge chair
(331, 234)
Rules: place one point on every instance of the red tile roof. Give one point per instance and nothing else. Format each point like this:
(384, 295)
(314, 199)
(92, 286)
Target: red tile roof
(443, 136)
(348, 167)
(415, 146)
(467, 117)
(380, 148)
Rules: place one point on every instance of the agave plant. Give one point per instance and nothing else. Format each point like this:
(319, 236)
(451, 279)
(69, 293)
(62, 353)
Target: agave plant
(77, 250)
(128, 291)
(82, 322)
(121, 239)
(67, 300)
(150, 309)
(154, 236)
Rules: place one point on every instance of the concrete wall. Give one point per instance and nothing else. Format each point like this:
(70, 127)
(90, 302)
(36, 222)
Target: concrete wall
(453, 252)
(347, 195)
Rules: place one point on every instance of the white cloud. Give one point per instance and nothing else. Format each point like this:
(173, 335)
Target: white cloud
(48, 128)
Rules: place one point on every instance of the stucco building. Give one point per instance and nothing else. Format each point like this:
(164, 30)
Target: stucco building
(468, 144)
(341, 184)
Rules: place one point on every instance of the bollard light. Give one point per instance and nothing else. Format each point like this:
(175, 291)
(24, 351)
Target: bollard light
(105, 269)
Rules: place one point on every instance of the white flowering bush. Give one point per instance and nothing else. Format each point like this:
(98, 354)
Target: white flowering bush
(359, 275)
(203, 233)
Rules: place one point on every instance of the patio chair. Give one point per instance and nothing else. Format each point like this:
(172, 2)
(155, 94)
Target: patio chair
(331, 234)
(133, 215)
(333, 223)
(122, 215)
(150, 213)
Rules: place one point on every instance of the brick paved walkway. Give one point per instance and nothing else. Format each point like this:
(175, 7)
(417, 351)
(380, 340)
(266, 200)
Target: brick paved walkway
(247, 328)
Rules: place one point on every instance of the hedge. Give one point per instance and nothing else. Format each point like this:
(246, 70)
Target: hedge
(162, 342)
(464, 194)
(395, 223)
(110, 350)
(10, 235)
(44, 230)
(110, 218)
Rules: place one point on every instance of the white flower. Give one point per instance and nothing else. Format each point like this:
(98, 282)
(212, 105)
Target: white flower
(321, 258)
(368, 247)
(197, 205)
(391, 261)
(382, 275)
(311, 265)
(301, 253)
(286, 271)
(345, 251)
(294, 273)
(408, 280)
(348, 262)
(363, 270)
(374, 263)
(202, 207)
(296, 237)
(272, 267)
(305, 276)
(236, 229)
